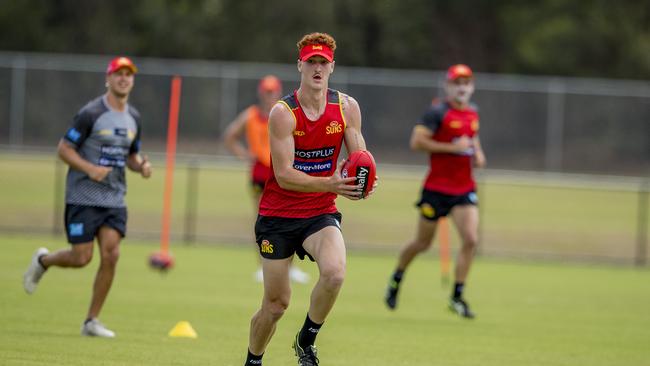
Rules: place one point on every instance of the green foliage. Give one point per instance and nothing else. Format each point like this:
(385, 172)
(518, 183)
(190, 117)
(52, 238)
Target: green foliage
(578, 38)
(586, 38)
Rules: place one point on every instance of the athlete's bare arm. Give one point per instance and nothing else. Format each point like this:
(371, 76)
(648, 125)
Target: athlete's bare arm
(233, 134)
(354, 140)
(479, 155)
(281, 127)
(421, 140)
(351, 112)
(70, 156)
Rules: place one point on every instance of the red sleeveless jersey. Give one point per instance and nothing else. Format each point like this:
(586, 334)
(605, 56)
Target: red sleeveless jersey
(317, 148)
(451, 173)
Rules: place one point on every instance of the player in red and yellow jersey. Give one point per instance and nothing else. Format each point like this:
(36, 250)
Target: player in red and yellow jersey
(297, 212)
(252, 123)
(448, 131)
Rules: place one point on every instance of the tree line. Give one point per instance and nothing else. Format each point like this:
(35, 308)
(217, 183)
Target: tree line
(586, 38)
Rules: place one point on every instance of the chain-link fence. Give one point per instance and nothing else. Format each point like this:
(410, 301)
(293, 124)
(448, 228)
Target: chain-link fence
(527, 123)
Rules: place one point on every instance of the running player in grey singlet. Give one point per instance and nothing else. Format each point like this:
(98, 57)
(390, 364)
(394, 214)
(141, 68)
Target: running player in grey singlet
(102, 142)
(104, 137)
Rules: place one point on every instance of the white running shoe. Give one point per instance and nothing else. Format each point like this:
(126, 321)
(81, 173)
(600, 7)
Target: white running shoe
(298, 276)
(259, 275)
(34, 272)
(94, 328)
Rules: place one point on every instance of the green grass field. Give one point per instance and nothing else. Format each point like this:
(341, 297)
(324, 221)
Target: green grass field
(517, 220)
(528, 313)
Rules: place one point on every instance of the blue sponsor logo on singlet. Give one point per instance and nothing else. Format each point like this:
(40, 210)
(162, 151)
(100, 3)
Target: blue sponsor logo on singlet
(73, 135)
(76, 228)
(121, 132)
(113, 156)
(313, 167)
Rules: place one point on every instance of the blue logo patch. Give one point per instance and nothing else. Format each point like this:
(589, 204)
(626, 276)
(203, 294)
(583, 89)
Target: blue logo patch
(473, 197)
(76, 229)
(313, 167)
(120, 132)
(73, 135)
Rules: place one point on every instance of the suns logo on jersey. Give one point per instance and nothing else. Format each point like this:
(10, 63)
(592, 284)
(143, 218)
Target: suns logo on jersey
(299, 133)
(474, 125)
(334, 127)
(266, 247)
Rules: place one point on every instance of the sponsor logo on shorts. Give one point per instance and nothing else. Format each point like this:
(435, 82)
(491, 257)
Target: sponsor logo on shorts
(334, 127)
(324, 152)
(266, 247)
(473, 197)
(427, 210)
(76, 229)
(313, 167)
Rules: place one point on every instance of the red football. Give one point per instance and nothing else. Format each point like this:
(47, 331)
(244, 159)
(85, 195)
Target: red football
(361, 164)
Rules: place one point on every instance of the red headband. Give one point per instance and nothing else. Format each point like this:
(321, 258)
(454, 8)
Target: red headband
(320, 49)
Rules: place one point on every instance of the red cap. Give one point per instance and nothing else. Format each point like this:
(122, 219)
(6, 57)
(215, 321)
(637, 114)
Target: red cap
(269, 83)
(120, 62)
(319, 49)
(459, 71)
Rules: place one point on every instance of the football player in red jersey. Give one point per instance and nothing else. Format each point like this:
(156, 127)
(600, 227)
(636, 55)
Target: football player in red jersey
(448, 132)
(297, 213)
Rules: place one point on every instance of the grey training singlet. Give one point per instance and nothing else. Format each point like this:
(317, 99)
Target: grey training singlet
(105, 137)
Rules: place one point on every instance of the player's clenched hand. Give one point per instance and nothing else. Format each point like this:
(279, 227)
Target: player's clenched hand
(463, 144)
(98, 173)
(344, 186)
(145, 167)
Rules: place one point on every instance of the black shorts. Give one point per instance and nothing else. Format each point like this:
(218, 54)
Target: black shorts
(280, 237)
(83, 222)
(434, 205)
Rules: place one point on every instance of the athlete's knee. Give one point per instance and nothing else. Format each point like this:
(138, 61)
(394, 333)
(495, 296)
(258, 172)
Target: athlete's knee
(333, 276)
(80, 258)
(275, 307)
(470, 242)
(111, 256)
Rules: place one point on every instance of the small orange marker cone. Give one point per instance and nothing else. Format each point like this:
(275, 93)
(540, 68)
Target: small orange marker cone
(183, 329)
